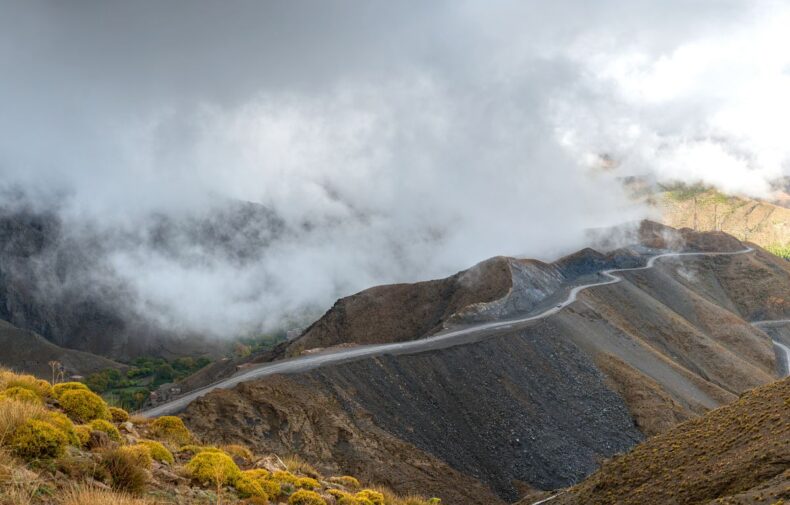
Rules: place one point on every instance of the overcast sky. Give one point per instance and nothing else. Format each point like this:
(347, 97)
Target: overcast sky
(415, 138)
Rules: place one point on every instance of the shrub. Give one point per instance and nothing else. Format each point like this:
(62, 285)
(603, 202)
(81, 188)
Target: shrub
(346, 481)
(158, 451)
(248, 486)
(41, 388)
(36, 439)
(307, 483)
(305, 497)
(118, 415)
(64, 424)
(79, 468)
(106, 427)
(375, 497)
(238, 451)
(14, 413)
(59, 389)
(257, 473)
(269, 486)
(83, 433)
(141, 453)
(171, 428)
(285, 477)
(214, 467)
(124, 470)
(20, 394)
(83, 406)
(256, 500)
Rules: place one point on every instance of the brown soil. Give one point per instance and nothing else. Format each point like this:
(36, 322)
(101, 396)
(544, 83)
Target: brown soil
(739, 453)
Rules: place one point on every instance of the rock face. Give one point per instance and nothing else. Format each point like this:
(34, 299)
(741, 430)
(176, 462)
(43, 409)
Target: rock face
(538, 407)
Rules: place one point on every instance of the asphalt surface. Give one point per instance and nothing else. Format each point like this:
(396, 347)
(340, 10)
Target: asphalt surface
(440, 340)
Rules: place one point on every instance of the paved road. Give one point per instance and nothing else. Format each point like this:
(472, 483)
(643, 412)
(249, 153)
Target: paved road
(444, 339)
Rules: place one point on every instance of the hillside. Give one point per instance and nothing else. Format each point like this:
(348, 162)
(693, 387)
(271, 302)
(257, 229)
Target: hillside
(62, 445)
(538, 406)
(760, 222)
(736, 454)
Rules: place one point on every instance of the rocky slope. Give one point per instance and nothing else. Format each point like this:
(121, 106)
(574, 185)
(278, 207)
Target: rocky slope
(537, 407)
(737, 454)
(763, 223)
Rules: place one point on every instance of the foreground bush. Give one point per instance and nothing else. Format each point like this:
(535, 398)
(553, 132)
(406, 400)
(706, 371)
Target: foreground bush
(83, 406)
(158, 451)
(124, 470)
(374, 497)
(305, 497)
(141, 453)
(64, 424)
(40, 388)
(118, 415)
(36, 439)
(20, 394)
(59, 389)
(213, 467)
(248, 486)
(83, 434)
(171, 428)
(270, 487)
(106, 427)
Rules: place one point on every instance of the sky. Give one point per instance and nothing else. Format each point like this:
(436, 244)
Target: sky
(395, 141)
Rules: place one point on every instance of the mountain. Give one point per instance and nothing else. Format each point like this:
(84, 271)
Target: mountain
(534, 406)
(764, 223)
(56, 277)
(739, 453)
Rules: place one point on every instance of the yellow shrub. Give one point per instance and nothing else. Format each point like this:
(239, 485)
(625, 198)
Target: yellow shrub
(374, 497)
(83, 406)
(64, 424)
(41, 388)
(107, 427)
(285, 477)
(14, 413)
(238, 451)
(344, 498)
(83, 433)
(141, 453)
(257, 473)
(59, 389)
(214, 467)
(118, 415)
(36, 439)
(171, 428)
(159, 452)
(20, 394)
(307, 483)
(346, 481)
(247, 486)
(305, 497)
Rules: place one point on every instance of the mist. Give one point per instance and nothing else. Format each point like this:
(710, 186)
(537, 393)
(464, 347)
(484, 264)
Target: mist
(379, 142)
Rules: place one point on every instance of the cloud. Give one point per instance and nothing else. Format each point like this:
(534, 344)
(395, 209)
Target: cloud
(392, 141)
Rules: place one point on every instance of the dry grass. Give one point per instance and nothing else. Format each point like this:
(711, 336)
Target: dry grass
(84, 495)
(295, 464)
(14, 413)
(19, 484)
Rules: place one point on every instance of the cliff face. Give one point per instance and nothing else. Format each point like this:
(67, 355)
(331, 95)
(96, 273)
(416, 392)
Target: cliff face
(537, 407)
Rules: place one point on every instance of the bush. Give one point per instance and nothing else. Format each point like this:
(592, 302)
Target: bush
(139, 452)
(248, 486)
(36, 439)
(214, 467)
(106, 427)
(305, 497)
(171, 428)
(83, 433)
(14, 413)
(124, 470)
(40, 388)
(375, 497)
(20, 394)
(83, 406)
(307, 483)
(346, 481)
(238, 451)
(64, 424)
(118, 415)
(270, 487)
(59, 389)
(285, 477)
(158, 451)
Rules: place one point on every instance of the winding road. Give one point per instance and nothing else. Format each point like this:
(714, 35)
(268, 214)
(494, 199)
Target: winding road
(444, 339)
